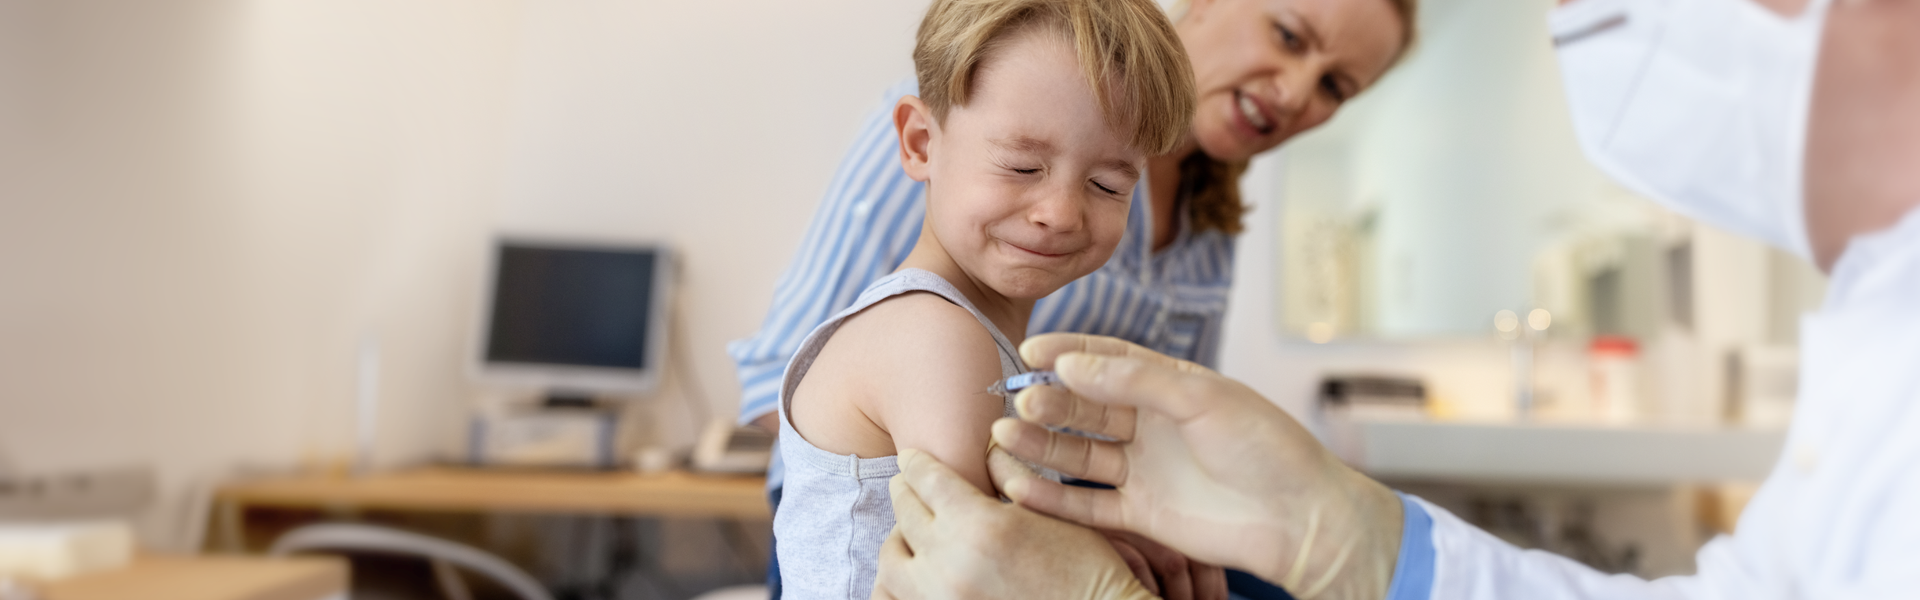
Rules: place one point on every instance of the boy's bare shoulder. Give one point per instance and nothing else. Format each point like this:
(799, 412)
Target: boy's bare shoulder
(921, 341)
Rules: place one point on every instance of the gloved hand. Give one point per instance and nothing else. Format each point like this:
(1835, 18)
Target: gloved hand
(1202, 464)
(1166, 573)
(951, 541)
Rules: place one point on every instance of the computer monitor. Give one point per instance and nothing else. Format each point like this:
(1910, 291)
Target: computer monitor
(576, 318)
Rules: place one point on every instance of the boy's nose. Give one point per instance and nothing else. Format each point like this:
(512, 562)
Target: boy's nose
(1058, 210)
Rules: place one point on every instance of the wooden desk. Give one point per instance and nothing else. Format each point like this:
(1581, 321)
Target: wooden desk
(209, 578)
(446, 489)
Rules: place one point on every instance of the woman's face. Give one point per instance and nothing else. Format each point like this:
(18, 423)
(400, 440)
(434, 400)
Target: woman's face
(1269, 69)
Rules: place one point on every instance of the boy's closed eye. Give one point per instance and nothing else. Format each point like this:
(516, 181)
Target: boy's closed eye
(1113, 189)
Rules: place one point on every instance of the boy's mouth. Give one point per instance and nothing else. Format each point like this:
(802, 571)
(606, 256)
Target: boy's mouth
(1040, 252)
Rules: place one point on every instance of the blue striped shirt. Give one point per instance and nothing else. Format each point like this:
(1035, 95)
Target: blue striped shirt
(1171, 301)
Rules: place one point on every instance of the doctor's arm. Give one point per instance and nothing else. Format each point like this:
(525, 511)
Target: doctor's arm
(1208, 467)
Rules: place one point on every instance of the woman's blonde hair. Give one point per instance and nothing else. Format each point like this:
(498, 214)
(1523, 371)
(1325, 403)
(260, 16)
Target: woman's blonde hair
(1128, 51)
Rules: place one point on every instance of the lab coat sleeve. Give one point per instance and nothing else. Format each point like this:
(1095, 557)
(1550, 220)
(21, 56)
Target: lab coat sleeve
(1413, 570)
(1471, 564)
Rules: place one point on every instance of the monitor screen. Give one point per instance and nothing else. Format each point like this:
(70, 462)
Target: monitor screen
(574, 307)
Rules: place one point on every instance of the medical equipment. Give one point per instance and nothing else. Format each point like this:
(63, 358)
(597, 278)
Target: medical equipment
(575, 438)
(728, 448)
(1023, 381)
(576, 318)
(1374, 397)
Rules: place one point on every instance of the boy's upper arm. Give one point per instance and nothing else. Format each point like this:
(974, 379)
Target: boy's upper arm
(928, 384)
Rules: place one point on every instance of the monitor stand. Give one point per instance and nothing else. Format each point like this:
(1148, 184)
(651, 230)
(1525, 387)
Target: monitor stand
(569, 399)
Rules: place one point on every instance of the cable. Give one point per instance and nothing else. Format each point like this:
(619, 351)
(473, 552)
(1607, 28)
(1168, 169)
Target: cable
(681, 355)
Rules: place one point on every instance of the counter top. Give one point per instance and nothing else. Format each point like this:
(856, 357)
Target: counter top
(1555, 453)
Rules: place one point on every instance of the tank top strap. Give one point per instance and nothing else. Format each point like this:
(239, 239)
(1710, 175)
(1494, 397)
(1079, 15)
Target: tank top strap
(919, 280)
(904, 281)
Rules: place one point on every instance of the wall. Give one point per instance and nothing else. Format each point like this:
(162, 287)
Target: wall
(207, 207)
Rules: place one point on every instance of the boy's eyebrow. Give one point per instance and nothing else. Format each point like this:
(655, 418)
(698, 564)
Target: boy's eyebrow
(1124, 167)
(1022, 143)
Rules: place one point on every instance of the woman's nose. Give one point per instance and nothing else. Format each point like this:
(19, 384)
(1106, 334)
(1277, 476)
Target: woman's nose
(1294, 87)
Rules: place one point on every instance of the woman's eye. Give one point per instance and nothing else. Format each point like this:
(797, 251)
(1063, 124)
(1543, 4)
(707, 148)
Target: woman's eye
(1332, 89)
(1288, 39)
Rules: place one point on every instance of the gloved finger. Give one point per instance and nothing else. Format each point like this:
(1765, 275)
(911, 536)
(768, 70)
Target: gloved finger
(896, 561)
(1084, 458)
(1055, 407)
(939, 488)
(1136, 562)
(1147, 384)
(911, 516)
(1040, 351)
(1003, 468)
(1209, 581)
(1086, 506)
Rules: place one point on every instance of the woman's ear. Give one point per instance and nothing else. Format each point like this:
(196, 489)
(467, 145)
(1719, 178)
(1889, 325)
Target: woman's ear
(914, 122)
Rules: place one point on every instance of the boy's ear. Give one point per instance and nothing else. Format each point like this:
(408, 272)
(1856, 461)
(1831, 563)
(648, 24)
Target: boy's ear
(914, 122)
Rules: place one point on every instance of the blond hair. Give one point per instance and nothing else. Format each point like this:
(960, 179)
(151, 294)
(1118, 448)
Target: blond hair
(1127, 50)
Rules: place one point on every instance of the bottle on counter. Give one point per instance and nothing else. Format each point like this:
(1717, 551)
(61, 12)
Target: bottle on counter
(1613, 364)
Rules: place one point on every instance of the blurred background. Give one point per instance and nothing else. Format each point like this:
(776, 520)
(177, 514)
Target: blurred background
(252, 241)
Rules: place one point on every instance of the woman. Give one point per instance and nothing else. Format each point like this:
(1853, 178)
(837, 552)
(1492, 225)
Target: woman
(1265, 71)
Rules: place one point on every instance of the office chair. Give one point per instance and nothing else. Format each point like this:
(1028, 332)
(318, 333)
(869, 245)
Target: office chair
(738, 592)
(441, 555)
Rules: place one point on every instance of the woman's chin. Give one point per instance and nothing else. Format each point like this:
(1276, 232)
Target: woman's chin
(1222, 145)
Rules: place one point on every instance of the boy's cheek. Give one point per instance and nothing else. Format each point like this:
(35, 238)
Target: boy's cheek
(1110, 226)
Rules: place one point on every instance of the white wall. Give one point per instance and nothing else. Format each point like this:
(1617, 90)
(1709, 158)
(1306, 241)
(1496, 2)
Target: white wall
(207, 206)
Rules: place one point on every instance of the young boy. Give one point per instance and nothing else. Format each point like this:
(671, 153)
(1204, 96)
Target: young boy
(1033, 126)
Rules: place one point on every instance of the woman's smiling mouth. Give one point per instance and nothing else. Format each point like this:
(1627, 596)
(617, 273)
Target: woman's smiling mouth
(1252, 113)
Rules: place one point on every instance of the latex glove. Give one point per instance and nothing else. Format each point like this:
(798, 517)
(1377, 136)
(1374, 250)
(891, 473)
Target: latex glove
(1204, 465)
(951, 541)
(1165, 572)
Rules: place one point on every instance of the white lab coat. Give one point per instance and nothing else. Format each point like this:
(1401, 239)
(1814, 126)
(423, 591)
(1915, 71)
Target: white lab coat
(1839, 516)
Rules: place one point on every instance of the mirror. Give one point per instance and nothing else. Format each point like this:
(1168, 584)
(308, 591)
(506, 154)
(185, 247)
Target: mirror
(1455, 189)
